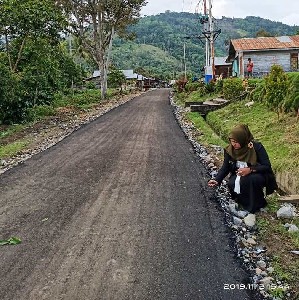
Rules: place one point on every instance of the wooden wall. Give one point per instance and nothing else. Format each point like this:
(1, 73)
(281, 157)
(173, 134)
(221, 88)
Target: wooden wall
(264, 60)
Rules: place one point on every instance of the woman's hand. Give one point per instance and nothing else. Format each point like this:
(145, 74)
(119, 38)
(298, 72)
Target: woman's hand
(212, 182)
(243, 171)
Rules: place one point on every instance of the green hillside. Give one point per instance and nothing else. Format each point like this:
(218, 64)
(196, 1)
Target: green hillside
(170, 30)
(146, 57)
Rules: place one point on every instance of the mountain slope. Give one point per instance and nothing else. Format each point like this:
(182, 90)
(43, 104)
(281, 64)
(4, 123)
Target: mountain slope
(130, 55)
(170, 30)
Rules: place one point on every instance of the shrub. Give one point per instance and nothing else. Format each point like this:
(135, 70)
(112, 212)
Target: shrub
(193, 86)
(90, 85)
(233, 89)
(219, 86)
(276, 87)
(254, 82)
(291, 102)
(210, 87)
(12, 106)
(258, 93)
(39, 112)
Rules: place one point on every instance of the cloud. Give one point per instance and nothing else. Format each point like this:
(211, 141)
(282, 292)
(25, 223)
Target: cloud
(286, 11)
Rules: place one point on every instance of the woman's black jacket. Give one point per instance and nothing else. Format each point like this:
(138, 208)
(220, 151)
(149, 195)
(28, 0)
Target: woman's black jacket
(263, 166)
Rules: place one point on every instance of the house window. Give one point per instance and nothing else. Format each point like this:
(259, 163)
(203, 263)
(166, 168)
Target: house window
(294, 61)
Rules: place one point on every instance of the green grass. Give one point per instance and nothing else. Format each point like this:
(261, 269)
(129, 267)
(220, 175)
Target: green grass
(262, 226)
(279, 270)
(280, 137)
(12, 149)
(39, 112)
(194, 96)
(79, 99)
(273, 203)
(10, 130)
(207, 135)
(181, 98)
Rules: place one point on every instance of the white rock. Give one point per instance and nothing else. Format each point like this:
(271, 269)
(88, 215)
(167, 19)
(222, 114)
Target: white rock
(261, 264)
(237, 221)
(286, 211)
(251, 241)
(266, 281)
(248, 104)
(241, 213)
(258, 271)
(3, 162)
(232, 207)
(270, 270)
(249, 220)
(293, 228)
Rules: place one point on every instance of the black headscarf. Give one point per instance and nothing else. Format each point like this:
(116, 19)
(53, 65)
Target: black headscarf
(243, 136)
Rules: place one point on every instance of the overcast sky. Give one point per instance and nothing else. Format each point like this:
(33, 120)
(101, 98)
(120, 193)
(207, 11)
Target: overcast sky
(285, 11)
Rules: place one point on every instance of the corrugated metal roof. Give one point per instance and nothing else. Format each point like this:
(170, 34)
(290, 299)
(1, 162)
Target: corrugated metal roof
(128, 73)
(260, 43)
(221, 61)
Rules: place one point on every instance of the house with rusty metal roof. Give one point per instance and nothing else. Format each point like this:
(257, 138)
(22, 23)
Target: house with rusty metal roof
(264, 52)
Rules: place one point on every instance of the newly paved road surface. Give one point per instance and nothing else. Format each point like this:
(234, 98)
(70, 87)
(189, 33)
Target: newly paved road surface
(118, 210)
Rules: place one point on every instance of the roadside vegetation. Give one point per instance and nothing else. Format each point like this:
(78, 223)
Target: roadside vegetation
(270, 108)
(14, 138)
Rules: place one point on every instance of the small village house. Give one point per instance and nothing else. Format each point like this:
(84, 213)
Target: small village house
(133, 80)
(264, 52)
(222, 68)
(131, 77)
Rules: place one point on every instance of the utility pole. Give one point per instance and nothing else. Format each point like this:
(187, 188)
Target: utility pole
(211, 29)
(208, 36)
(185, 68)
(206, 29)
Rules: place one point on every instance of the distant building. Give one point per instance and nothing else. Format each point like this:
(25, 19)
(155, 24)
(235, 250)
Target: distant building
(128, 73)
(132, 80)
(264, 53)
(222, 68)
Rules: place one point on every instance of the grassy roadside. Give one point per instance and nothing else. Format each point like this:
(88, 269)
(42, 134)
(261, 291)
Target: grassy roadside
(281, 139)
(14, 138)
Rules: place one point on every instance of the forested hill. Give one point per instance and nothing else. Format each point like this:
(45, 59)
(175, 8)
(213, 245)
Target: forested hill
(158, 47)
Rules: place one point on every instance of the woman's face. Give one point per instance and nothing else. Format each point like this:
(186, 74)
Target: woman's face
(235, 144)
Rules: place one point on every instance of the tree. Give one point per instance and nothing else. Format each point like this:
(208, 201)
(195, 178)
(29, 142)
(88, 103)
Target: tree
(116, 78)
(28, 19)
(12, 108)
(30, 58)
(97, 22)
(263, 33)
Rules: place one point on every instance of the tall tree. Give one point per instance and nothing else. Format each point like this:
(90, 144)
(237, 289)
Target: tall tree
(96, 22)
(28, 19)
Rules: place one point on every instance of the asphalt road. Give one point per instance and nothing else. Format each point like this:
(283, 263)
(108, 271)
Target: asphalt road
(120, 209)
